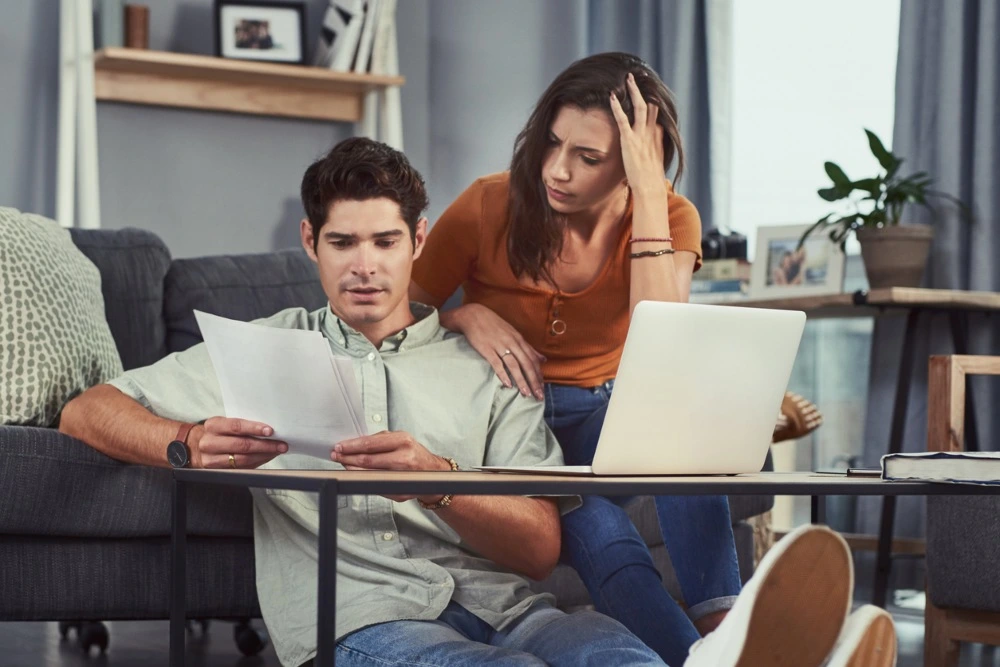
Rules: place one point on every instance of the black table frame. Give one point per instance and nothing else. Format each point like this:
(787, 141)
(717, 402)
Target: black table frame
(907, 358)
(862, 305)
(331, 485)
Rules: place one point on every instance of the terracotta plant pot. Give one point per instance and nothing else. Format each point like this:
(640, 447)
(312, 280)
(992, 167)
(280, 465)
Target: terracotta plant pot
(895, 256)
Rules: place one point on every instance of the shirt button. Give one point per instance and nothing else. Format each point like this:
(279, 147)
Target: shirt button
(376, 418)
(387, 536)
(371, 356)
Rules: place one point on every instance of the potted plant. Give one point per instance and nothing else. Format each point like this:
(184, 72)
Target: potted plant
(894, 255)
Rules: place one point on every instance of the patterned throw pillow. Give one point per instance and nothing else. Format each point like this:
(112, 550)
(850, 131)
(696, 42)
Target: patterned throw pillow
(54, 338)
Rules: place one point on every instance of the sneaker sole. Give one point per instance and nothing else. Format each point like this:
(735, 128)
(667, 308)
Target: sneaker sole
(801, 605)
(877, 647)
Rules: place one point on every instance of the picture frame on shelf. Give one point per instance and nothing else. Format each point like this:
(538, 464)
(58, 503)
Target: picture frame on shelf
(261, 30)
(782, 269)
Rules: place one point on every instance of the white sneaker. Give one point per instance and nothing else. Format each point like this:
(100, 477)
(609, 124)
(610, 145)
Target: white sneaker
(791, 611)
(867, 640)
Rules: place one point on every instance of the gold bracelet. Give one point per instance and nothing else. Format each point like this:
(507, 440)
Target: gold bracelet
(651, 253)
(445, 499)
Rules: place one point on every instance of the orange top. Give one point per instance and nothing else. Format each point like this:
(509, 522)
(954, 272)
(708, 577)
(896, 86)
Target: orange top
(582, 333)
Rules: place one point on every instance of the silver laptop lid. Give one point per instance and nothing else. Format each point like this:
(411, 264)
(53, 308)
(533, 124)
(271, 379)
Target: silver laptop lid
(698, 389)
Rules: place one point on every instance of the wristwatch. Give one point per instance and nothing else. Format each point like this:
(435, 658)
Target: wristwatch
(178, 453)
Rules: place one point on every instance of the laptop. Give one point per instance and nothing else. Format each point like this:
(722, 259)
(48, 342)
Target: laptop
(698, 391)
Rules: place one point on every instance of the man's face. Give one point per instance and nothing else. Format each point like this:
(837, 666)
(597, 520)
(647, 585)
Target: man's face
(365, 257)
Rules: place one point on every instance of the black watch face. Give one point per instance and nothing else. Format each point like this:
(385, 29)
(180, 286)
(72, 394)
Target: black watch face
(177, 454)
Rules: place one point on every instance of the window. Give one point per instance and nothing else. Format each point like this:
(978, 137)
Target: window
(807, 78)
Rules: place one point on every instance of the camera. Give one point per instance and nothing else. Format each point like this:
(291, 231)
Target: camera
(716, 244)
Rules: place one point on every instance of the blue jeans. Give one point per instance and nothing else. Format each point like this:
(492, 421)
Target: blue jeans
(541, 636)
(603, 546)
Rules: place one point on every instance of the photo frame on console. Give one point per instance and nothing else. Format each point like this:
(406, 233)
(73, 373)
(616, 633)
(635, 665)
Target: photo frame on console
(783, 269)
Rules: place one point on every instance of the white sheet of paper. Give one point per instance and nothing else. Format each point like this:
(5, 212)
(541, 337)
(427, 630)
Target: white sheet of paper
(286, 378)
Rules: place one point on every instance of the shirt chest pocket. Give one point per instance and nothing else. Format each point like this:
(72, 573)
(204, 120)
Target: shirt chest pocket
(293, 501)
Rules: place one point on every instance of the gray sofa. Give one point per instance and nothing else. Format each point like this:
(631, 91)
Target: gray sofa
(85, 537)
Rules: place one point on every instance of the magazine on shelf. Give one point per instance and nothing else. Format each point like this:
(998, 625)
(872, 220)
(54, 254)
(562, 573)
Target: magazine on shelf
(362, 62)
(339, 34)
(346, 48)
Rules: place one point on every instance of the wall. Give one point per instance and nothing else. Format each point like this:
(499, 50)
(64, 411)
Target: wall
(212, 183)
(205, 182)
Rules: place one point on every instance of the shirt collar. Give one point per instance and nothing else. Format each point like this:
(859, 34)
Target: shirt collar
(424, 330)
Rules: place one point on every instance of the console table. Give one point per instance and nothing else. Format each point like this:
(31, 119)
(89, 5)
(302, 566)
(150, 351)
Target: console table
(914, 302)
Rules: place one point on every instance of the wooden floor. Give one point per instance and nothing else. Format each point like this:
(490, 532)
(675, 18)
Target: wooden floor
(144, 644)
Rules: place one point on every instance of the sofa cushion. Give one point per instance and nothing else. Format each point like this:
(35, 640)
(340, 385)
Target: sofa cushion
(54, 339)
(57, 486)
(133, 264)
(241, 287)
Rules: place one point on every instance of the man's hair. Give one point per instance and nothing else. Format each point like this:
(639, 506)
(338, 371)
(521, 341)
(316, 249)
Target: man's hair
(359, 169)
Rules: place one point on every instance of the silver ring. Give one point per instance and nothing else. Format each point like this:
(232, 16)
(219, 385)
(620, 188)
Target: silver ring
(232, 460)
(505, 353)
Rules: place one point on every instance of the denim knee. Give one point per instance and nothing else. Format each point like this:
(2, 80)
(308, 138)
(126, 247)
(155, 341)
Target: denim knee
(600, 539)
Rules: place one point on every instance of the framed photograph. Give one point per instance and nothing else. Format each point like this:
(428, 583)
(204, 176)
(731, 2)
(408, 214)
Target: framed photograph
(782, 269)
(261, 30)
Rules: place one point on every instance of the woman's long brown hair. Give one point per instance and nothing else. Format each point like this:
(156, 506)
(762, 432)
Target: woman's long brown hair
(535, 232)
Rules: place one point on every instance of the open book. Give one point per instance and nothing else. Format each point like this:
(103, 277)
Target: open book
(952, 467)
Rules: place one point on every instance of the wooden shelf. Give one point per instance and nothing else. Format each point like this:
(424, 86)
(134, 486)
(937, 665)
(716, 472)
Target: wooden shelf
(161, 78)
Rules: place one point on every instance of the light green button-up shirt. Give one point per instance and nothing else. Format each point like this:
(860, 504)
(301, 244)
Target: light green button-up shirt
(395, 560)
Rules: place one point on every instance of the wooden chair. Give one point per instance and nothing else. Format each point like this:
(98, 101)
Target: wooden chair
(961, 555)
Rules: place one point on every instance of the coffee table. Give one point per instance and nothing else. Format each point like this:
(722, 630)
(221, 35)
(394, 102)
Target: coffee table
(331, 484)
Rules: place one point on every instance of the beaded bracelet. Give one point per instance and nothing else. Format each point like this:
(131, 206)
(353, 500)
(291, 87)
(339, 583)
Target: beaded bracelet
(652, 253)
(446, 499)
(642, 239)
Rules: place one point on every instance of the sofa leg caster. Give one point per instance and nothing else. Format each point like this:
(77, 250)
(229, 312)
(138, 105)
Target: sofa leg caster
(66, 626)
(93, 634)
(249, 641)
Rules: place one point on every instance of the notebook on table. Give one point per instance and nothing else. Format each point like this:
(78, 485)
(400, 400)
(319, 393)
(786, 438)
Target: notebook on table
(950, 467)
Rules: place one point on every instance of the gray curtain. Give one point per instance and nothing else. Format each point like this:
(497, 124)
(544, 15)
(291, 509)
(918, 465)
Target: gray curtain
(489, 62)
(674, 37)
(947, 123)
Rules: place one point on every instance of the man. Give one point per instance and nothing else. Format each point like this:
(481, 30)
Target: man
(431, 580)
(464, 559)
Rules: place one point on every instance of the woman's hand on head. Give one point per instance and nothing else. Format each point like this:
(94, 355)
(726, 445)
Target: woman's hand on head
(642, 141)
(501, 345)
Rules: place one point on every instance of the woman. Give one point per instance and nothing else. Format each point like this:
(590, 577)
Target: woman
(553, 256)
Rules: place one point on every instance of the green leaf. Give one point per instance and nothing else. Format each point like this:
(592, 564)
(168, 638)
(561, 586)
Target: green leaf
(819, 223)
(885, 158)
(873, 186)
(892, 172)
(837, 175)
(830, 194)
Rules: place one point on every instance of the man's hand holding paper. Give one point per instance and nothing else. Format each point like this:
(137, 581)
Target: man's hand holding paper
(286, 380)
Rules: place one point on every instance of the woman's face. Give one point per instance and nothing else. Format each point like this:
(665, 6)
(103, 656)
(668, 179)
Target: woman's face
(583, 167)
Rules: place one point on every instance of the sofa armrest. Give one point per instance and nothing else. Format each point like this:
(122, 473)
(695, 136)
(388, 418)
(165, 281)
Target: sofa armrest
(34, 441)
(44, 474)
(55, 485)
